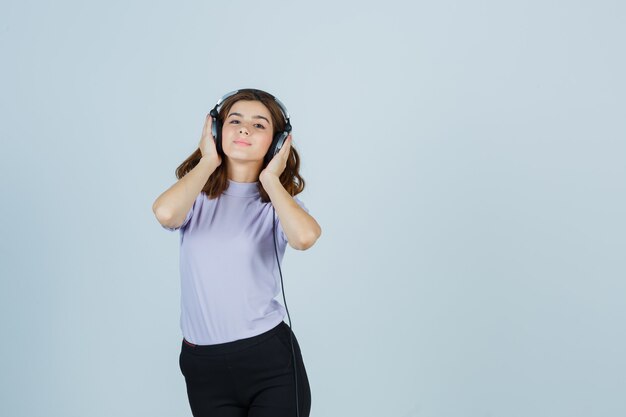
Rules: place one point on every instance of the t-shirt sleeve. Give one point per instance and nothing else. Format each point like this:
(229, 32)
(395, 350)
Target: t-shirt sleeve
(189, 216)
(281, 233)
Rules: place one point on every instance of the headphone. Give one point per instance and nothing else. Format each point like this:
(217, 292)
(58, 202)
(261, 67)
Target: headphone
(277, 144)
(279, 137)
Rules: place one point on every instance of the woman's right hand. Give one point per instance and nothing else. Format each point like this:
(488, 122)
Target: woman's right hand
(207, 143)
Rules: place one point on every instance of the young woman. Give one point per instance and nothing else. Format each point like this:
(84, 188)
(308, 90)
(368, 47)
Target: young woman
(235, 206)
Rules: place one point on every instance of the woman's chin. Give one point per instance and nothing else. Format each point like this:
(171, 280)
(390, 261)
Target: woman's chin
(240, 157)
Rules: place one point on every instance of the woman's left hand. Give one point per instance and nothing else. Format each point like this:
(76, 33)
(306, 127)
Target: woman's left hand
(278, 163)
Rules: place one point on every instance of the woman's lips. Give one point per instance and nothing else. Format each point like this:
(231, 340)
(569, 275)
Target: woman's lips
(241, 142)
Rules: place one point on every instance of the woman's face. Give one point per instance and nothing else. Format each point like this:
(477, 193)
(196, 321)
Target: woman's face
(247, 131)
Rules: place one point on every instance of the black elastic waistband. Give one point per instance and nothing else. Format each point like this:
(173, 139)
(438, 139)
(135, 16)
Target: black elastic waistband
(235, 345)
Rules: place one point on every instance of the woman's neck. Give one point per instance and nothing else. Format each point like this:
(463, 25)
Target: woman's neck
(244, 172)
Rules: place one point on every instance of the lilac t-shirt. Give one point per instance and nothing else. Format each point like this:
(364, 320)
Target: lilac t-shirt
(228, 270)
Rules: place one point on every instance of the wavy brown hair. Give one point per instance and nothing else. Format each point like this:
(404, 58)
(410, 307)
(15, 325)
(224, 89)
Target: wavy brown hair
(218, 181)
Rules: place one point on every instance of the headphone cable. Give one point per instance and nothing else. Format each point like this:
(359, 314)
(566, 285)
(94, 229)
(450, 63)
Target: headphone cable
(288, 316)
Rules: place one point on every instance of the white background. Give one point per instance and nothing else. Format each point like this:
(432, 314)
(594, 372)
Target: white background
(466, 161)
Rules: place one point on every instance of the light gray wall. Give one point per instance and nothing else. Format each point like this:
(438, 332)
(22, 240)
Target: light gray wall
(466, 161)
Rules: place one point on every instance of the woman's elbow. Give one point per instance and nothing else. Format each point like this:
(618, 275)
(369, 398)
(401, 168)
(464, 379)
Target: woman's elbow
(307, 242)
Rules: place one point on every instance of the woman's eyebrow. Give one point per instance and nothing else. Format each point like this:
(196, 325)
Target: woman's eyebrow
(258, 116)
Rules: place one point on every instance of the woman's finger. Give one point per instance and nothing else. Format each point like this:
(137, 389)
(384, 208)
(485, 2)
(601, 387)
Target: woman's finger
(206, 124)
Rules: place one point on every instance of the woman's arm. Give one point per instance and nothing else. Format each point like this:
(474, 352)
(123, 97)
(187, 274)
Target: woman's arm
(172, 206)
(300, 228)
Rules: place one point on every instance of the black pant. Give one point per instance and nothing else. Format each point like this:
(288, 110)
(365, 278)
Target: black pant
(252, 377)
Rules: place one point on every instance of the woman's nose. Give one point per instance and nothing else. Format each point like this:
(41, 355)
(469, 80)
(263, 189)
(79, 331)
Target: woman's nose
(242, 129)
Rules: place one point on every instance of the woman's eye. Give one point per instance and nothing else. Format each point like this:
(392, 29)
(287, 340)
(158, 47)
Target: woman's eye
(257, 125)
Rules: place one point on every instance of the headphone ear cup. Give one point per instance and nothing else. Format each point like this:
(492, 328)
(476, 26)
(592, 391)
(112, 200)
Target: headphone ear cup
(277, 144)
(216, 130)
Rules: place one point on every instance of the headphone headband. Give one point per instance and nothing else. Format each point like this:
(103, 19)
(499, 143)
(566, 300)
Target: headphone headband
(283, 109)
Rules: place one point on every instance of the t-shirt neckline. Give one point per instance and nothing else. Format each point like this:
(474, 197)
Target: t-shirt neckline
(242, 189)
